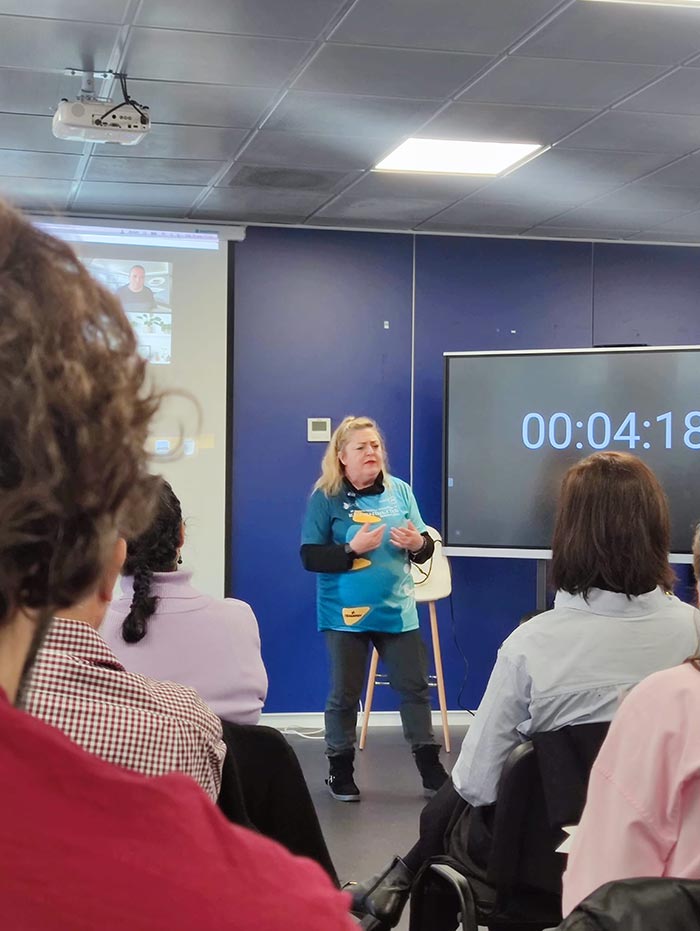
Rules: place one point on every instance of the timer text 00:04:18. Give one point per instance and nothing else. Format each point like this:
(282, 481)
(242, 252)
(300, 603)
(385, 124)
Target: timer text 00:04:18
(600, 432)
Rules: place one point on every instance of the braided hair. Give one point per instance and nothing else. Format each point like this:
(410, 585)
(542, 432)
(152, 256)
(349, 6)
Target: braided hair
(156, 550)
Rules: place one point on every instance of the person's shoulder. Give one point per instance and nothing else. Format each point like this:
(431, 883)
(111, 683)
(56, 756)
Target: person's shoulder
(237, 610)
(679, 609)
(320, 501)
(681, 682)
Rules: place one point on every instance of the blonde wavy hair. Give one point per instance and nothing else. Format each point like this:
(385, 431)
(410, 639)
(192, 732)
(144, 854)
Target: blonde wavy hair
(332, 471)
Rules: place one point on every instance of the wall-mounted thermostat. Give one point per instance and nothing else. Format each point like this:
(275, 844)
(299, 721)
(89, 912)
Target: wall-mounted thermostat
(318, 429)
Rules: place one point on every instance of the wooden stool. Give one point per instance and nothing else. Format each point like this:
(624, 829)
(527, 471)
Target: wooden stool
(432, 581)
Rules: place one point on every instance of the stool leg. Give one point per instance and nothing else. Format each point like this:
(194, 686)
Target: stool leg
(374, 662)
(438, 674)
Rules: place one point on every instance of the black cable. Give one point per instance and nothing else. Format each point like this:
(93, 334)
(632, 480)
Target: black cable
(464, 659)
(126, 102)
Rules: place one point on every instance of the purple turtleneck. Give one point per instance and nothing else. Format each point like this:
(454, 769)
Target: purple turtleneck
(209, 644)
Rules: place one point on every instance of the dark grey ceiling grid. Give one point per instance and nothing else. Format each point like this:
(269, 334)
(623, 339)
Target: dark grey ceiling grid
(532, 31)
(275, 111)
(616, 105)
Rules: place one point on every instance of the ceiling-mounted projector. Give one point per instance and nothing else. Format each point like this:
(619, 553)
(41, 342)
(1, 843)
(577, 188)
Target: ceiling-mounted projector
(85, 120)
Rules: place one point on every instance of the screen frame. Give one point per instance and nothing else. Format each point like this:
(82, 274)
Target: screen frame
(499, 552)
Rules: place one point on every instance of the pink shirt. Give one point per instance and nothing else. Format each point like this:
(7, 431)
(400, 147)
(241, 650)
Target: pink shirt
(212, 645)
(642, 814)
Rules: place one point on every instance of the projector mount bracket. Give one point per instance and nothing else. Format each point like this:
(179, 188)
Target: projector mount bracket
(87, 91)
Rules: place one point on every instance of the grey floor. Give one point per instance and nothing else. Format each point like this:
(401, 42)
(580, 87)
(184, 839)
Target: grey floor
(363, 837)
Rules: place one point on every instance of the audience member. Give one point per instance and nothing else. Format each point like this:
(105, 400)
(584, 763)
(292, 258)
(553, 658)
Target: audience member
(644, 791)
(614, 622)
(161, 626)
(79, 686)
(84, 844)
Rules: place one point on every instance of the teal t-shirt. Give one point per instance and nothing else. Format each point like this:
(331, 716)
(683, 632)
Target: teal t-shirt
(377, 593)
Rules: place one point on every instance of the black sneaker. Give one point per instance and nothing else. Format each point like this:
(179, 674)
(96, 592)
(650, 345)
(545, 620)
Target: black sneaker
(340, 783)
(431, 769)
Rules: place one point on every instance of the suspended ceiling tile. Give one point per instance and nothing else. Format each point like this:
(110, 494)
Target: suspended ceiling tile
(169, 141)
(688, 224)
(248, 203)
(649, 195)
(292, 180)
(144, 195)
(677, 93)
(120, 210)
(302, 19)
(503, 123)
(387, 72)
(313, 150)
(639, 132)
(552, 82)
(452, 25)
(405, 185)
(563, 166)
(203, 104)
(349, 115)
(618, 218)
(38, 164)
(32, 92)
(38, 194)
(549, 193)
(32, 133)
(665, 236)
(173, 55)
(380, 210)
(55, 45)
(79, 10)
(152, 170)
(618, 32)
(584, 232)
(684, 172)
(482, 213)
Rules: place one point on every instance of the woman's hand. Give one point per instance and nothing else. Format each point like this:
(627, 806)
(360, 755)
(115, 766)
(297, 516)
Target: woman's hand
(366, 539)
(407, 538)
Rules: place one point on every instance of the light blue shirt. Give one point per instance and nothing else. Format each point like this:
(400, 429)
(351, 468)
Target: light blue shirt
(377, 593)
(570, 665)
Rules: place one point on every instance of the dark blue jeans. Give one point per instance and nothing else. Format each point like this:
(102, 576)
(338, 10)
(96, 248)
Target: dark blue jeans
(405, 661)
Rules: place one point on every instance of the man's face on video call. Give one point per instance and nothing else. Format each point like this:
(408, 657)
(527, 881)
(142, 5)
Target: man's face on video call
(136, 278)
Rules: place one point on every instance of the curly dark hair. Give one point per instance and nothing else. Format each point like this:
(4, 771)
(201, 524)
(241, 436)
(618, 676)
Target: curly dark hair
(613, 529)
(74, 417)
(155, 550)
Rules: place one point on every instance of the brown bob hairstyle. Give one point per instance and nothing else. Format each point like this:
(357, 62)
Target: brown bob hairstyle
(74, 417)
(612, 529)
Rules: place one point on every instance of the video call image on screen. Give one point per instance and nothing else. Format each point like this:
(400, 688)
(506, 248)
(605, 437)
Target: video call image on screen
(515, 422)
(144, 288)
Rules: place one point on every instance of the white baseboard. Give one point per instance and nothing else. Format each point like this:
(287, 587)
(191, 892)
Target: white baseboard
(314, 719)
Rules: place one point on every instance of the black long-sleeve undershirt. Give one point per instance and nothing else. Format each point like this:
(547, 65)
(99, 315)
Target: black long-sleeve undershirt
(331, 557)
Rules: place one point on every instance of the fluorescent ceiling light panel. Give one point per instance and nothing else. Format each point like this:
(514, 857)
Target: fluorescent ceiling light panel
(686, 3)
(447, 156)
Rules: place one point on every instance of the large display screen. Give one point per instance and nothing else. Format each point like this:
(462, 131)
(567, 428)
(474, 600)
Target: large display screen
(172, 284)
(516, 421)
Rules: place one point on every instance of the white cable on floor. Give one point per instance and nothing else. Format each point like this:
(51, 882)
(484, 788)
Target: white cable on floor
(310, 735)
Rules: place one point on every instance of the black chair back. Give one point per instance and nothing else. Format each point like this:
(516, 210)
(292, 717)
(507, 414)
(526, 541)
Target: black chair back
(631, 904)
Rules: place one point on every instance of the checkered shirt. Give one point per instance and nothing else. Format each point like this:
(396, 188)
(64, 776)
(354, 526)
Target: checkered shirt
(79, 686)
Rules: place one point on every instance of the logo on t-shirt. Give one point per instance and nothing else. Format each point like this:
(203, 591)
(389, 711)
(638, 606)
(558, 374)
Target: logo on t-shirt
(362, 517)
(353, 616)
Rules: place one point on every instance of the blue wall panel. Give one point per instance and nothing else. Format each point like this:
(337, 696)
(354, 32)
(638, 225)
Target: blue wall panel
(479, 294)
(646, 295)
(309, 341)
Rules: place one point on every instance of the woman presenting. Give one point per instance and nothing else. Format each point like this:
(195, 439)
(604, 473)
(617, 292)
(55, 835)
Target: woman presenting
(361, 530)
